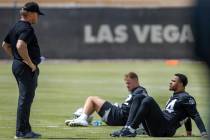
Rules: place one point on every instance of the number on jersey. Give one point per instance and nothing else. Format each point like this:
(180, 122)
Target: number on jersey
(170, 106)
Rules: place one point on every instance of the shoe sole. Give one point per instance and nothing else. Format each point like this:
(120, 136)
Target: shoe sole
(68, 121)
(128, 136)
(114, 135)
(38, 137)
(76, 125)
(15, 137)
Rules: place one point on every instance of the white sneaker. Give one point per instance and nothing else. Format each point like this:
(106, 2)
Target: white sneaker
(89, 120)
(77, 122)
(67, 122)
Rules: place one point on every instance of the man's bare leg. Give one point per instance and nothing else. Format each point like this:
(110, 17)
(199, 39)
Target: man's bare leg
(92, 104)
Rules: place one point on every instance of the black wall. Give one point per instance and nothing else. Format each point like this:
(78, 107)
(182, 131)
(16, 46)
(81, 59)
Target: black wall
(97, 33)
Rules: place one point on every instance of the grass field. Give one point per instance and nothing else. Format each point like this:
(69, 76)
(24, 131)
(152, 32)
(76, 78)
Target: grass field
(64, 86)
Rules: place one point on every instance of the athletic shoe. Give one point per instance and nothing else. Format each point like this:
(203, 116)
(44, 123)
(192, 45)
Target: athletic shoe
(67, 122)
(141, 131)
(117, 133)
(127, 133)
(78, 122)
(79, 112)
(89, 120)
(29, 135)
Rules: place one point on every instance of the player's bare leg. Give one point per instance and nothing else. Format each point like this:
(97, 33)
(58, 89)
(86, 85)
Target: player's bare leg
(92, 103)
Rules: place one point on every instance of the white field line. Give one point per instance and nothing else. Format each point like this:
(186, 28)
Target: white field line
(40, 126)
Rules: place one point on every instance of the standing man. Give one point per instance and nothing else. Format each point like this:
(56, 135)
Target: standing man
(111, 114)
(179, 109)
(21, 44)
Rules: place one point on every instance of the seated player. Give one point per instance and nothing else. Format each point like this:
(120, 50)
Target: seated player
(179, 109)
(111, 114)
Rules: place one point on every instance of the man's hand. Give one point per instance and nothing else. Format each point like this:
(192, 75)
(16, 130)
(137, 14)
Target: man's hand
(31, 65)
(204, 135)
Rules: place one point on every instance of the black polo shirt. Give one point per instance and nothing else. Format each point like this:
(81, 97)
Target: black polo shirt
(23, 30)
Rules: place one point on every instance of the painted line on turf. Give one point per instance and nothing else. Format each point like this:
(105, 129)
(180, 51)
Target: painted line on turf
(40, 126)
(50, 126)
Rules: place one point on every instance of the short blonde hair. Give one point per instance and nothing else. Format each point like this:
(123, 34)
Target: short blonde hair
(132, 75)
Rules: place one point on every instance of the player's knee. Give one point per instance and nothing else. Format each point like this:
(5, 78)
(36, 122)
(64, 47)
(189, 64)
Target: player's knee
(97, 101)
(147, 101)
(92, 98)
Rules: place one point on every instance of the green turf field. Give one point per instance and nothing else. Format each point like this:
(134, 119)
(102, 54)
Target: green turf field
(64, 86)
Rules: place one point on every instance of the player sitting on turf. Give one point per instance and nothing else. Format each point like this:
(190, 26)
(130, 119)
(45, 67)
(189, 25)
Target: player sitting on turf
(111, 114)
(179, 109)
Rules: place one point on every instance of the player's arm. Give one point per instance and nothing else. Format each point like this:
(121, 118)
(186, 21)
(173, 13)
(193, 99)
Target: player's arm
(7, 48)
(188, 127)
(200, 124)
(23, 52)
(190, 106)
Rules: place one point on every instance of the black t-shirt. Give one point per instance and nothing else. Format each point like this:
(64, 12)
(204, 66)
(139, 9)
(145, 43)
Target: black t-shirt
(180, 107)
(23, 30)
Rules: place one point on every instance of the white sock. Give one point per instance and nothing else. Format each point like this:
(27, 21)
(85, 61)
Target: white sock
(131, 129)
(83, 116)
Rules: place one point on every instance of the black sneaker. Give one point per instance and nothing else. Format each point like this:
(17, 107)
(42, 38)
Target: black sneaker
(127, 133)
(117, 133)
(29, 135)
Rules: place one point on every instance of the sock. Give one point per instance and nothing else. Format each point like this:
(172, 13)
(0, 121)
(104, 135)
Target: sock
(131, 129)
(83, 116)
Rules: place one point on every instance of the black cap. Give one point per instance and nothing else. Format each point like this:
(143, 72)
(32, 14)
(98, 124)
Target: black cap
(32, 7)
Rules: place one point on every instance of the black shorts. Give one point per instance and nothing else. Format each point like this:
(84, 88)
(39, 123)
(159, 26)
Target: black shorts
(112, 115)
